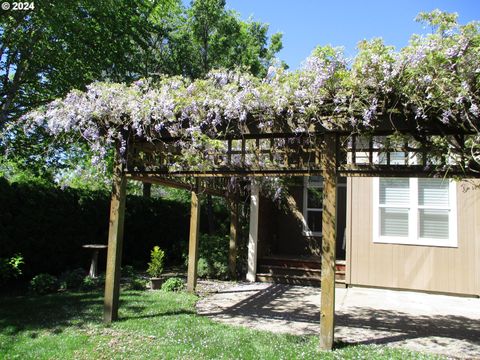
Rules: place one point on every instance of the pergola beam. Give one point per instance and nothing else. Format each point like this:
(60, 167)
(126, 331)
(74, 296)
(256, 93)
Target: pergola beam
(173, 182)
(290, 154)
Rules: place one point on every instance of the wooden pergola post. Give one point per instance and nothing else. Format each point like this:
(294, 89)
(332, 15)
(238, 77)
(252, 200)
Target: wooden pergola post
(193, 240)
(232, 249)
(115, 240)
(253, 231)
(327, 308)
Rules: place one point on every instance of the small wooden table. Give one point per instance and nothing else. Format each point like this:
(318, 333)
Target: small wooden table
(93, 266)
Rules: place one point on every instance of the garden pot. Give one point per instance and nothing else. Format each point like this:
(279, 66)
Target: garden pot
(156, 283)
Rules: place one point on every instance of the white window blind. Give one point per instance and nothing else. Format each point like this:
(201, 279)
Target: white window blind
(434, 208)
(394, 207)
(394, 191)
(433, 224)
(415, 211)
(433, 192)
(394, 222)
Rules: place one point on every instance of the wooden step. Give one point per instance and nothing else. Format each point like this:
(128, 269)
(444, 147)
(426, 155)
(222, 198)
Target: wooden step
(288, 279)
(295, 280)
(291, 262)
(296, 271)
(280, 270)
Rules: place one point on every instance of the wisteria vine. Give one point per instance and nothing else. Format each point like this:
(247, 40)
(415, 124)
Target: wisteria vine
(431, 83)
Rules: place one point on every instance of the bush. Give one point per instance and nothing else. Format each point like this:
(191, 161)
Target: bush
(72, 279)
(203, 270)
(44, 284)
(173, 284)
(157, 259)
(128, 271)
(213, 256)
(90, 283)
(10, 267)
(137, 284)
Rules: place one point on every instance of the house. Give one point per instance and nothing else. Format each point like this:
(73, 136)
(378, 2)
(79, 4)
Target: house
(403, 233)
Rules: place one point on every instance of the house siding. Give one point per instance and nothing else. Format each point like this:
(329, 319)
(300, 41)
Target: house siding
(429, 268)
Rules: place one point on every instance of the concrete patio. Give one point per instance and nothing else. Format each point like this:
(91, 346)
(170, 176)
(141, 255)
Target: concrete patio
(439, 324)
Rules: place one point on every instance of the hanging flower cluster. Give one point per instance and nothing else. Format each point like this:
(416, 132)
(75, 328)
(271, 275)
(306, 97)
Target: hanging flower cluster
(433, 83)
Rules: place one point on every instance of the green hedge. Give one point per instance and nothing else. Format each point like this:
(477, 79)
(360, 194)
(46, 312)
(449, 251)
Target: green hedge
(48, 226)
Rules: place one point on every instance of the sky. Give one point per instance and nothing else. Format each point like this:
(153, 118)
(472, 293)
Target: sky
(308, 23)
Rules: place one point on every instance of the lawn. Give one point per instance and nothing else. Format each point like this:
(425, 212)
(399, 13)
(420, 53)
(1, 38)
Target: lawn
(152, 325)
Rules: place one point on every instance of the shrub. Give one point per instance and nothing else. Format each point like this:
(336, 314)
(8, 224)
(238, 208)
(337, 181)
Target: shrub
(173, 284)
(90, 283)
(203, 270)
(128, 271)
(44, 284)
(10, 267)
(137, 284)
(72, 279)
(213, 256)
(157, 258)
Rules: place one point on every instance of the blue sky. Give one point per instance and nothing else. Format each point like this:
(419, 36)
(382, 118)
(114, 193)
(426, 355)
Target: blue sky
(308, 23)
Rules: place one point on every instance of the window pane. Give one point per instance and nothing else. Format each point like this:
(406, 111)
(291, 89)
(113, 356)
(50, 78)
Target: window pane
(393, 222)
(314, 221)
(315, 181)
(394, 191)
(314, 198)
(434, 224)
(397, 158)
(433, 192)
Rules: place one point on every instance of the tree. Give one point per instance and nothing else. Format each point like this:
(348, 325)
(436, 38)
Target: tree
(46, 52)
(222, 40)
(55, 48)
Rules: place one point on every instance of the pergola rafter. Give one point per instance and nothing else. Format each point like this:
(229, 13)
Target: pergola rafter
(289, 154)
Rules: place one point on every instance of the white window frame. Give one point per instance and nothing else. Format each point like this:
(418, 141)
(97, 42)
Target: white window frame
(306, 186)
(413, 207)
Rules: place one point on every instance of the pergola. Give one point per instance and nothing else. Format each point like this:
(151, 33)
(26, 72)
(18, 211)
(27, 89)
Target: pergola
(413, 112)
(395, 149)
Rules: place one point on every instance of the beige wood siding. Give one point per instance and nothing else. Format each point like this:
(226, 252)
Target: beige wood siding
(451, 270)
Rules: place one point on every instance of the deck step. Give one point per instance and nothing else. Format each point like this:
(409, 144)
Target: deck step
(295, 280)
(308, 263)
(306, 271)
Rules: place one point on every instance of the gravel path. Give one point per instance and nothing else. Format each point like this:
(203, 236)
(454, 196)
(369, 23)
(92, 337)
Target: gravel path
(439, 324)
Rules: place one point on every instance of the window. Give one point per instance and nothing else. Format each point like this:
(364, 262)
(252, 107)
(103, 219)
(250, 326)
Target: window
(313, 205)
(415, 211)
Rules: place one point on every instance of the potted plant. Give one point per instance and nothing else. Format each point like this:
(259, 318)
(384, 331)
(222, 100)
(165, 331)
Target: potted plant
(155, 267)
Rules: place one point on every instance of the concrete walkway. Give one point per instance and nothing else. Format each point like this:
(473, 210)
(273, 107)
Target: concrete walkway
(424, 322)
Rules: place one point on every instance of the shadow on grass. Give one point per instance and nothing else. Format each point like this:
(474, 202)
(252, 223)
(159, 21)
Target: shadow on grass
(55, 312)
(158, 314)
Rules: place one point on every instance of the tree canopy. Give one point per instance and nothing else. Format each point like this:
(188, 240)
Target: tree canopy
(58, 47)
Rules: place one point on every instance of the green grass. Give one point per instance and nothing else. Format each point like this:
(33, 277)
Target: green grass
(152, 325)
